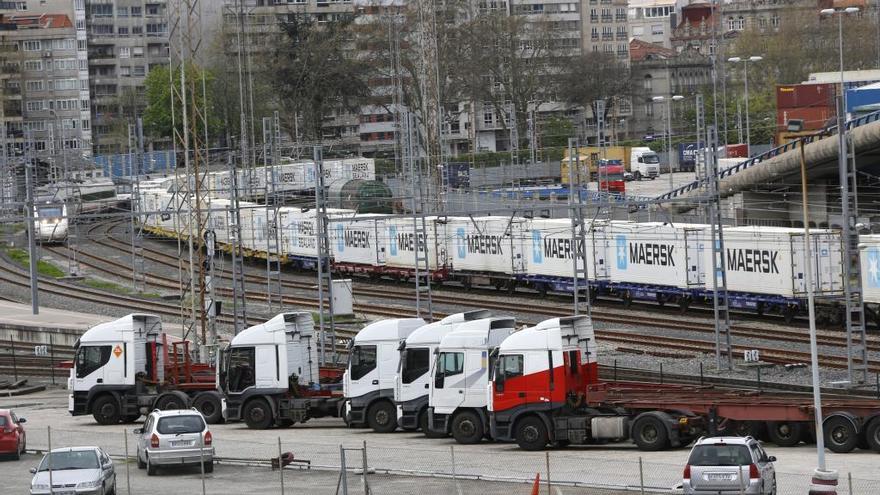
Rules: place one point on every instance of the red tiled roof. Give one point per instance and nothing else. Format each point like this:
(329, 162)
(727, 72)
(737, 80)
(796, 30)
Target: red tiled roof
(641, 50)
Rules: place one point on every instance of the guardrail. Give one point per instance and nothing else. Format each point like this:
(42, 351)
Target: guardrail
(739, 167)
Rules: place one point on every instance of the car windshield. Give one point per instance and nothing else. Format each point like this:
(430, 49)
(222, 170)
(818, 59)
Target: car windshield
(720, 454)
(75, 459)
(174, 425)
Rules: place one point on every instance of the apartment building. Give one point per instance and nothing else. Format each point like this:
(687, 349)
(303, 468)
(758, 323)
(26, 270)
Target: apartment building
(652, 21)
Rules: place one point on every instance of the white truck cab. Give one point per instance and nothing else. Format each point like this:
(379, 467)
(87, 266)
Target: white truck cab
(414, 376)
(368, 383)
(644, 163)
(458, 398)
(270, 374)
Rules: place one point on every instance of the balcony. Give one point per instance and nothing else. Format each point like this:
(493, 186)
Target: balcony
(607, 36)
(621, 36)
(10, 69)
(621, 18)
(607, 18)
(594, 37)
(594, 18)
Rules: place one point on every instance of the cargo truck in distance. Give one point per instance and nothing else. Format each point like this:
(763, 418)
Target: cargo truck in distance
(545, 390)
(268, 375)
(644, 163)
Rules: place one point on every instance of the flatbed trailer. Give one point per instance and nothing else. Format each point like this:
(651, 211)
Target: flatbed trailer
(546, 391)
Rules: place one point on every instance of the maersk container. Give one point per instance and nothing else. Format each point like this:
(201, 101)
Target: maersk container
(770, 260)
(492, 245)
(402, 242)
(869, 257)
(216, 219)
(359, 240)
(552, 250)
(299, 227)
(656, 254)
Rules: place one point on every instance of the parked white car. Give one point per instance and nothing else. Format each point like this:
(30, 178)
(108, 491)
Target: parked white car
(729, 465)
(75, 471)
(174, 438)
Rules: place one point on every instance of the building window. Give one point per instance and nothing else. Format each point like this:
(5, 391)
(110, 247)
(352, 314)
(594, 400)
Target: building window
(35, 105)
(36, 85)
(69, 123)
(137, 11)
(101, 9)
(137, 51)
(66, 44)
(774, 21)
(71, 144)
(488, 117)
(83, 104)
(762, 22)
(86, 125)
(21, 6)
(33, 65)
(124, 52)
(124, 71)
(122, 31)
(138, 71)
(638, 31)
(156, 29)
(657, 29)
(122, 12)
(33, 46)
(36, 125)
(40, 145)
(649, 109)
(608, 48)
(648, 84)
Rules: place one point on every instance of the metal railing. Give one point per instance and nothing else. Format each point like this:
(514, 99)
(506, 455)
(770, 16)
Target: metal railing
(790, 146)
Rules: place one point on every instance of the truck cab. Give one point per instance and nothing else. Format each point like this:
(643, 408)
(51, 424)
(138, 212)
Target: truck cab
(128, 367)
(644, 163)
(368, 383)
(414, 376)
(457, 400)
(270, 374)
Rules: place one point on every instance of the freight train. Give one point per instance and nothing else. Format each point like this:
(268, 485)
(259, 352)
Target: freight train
(657, 262)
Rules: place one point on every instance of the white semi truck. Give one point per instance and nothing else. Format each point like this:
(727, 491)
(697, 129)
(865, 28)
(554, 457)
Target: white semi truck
(414, 377)
(368, 383)
(457, 401)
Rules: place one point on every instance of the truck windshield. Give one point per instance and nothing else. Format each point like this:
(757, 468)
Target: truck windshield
(650, 158)
(363, 361)
(241, 373)
(415, 363)
(720, 454)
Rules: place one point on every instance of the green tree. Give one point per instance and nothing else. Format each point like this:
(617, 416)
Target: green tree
(595, 76)
(556, 131)
(158, 119)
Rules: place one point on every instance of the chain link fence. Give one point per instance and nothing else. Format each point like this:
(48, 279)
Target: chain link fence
(331, 468)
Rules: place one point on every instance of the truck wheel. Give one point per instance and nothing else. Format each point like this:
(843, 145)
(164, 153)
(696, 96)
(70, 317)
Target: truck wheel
(784, 433)
(209, 404)
(467, 428)
(637, 175)
(650, 434)
(106, 411)
(531, 434)
(840, 435)
(872, 435)
(382, 417)
(171, 401)
(258, 414)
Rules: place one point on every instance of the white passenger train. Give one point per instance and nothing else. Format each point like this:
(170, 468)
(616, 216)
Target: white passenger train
(649, 261)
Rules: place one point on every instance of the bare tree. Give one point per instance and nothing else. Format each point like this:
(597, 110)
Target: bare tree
(595, 76)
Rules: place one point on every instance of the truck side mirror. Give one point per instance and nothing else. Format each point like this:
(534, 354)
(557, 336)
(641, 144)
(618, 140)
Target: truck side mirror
(439, 380)
(499, 383)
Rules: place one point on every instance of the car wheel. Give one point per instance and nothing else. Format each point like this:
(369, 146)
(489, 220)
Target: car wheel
(17, 455)
(773, 489)
(151, 468)
(382, 417)
(209, 467)
(531, 434)
(141, 464)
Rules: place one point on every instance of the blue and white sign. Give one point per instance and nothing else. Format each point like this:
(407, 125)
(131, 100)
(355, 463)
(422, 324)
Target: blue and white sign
(621, 252)
(460, 243)
(392, 240)
(537, 248)
(340, 238)
(873, 275)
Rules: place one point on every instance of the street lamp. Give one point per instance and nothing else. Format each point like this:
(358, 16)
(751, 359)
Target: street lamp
(745, 61)
(669, 130)
(840, 13)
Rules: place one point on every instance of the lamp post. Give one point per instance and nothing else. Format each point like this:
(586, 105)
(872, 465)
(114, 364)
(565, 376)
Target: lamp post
(840, 13)
(745, 61)
(669, 130)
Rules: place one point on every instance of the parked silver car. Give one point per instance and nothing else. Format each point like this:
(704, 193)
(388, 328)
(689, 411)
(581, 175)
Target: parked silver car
(729, 465)
(174, 438)
(75, 471)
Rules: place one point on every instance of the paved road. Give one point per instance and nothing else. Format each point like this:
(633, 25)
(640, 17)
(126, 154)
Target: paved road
(610, 466)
